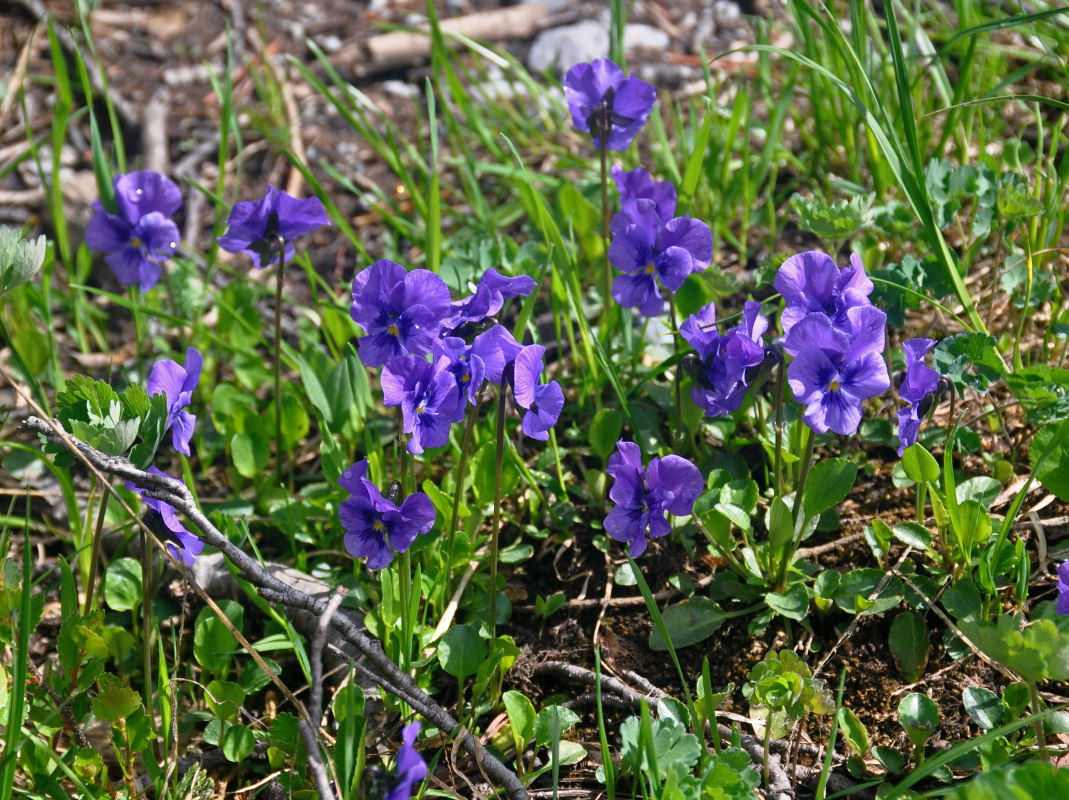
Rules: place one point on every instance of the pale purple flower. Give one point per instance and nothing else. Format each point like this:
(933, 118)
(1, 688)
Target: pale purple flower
(375, 527)
(181, 543)
(495, 347)
(607, 105)
(919, 384)
(177, 383)
(726, 363)
(834, 371)
(466, 367)
(141, 235)
(812, 282)
(643, 497)
(427, 394)
(401, 311)
(650, 251)
(411, 768)
(1062, 604)
(489, 297)
(254, 227)
(638, 185)
(541, 401)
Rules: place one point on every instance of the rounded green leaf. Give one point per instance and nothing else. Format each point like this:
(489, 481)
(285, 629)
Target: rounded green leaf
(827, 485)
(521, 713)
(238, 743)
(461, 651)
(122, 584)
(984, 707)
(919, 715)
(920, 465)
(115, 702)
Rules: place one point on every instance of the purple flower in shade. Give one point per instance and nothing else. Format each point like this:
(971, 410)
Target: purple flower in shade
(255, 226)
(834, 371)
(428, 396)
(180, 542)
(1062, 604)
(375, 527)
(495, 348)
(177, 383)
(411, 768)
(670, 484)
(638, 185)
(812, 282)
(725, 363)
(542, 401)
(467, 369)
(649, 251)
(489, 298)
(604, 103)
(919, 385)
(141, 235)
(401, 311)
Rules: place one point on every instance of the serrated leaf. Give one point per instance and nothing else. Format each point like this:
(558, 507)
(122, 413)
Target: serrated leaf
(969, 359)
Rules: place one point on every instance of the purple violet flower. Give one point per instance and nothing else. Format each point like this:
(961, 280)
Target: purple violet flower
(177, 383)
(489, 298)
(427, 394)
(255, 226)
(725, 362)
(812, 282)
(649, 251)
(411, 768)
(834, 371)
(638, 185)
(400, 311)
(375, 527)
(919, 385)
(181, 543)
(142, 234)
(495, 348)
(668, 485)
(467, 368)
(542, 401)
(1062, 604)
(607, 105)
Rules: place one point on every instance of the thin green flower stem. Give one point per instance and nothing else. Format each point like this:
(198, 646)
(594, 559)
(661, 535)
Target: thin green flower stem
(496, 535)
(1041, 738)
(768, 740)
(606, 756)
(678, 370)
(406, 603)
(605, 218)
(146, 631)
(94, 557)
(735, 565)
(781, 375)
(465, 450)
(281, 248)
(799, 509)
(139, 333)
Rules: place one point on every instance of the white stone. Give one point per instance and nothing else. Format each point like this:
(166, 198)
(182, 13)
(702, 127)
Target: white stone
(568, 45)
(638, 35)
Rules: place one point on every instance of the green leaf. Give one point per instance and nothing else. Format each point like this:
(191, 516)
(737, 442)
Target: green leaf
(984, 707)
(675, 750)
(920, 465)
(224, 698)
(909, 642)
(114, 702)
(793, 603)
(238, 743)
(980, 488)
(919, 715)
(1053, 473)
(521, 713)
(461, 650)
(122, 584)
(553, 718)
(836, 220)
(483, 474)
(690, 622)
(1032, 780)
(828, 484)
(20, 258)
(605, 432)
(213, 643)
(855, 733)
(969, 359)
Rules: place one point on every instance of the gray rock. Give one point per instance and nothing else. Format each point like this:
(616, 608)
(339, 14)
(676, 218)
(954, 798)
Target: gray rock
(726, 13)
(553, 6)
(638, 35)
(568, 45)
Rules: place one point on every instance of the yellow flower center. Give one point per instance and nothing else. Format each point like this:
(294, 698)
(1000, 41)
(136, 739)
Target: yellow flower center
(378, 526)
(649, 269)
(833, 386)
(393, 330)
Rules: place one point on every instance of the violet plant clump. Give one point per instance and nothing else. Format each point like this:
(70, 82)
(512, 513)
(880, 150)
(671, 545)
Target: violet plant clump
(177, 383)
(140, 236)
